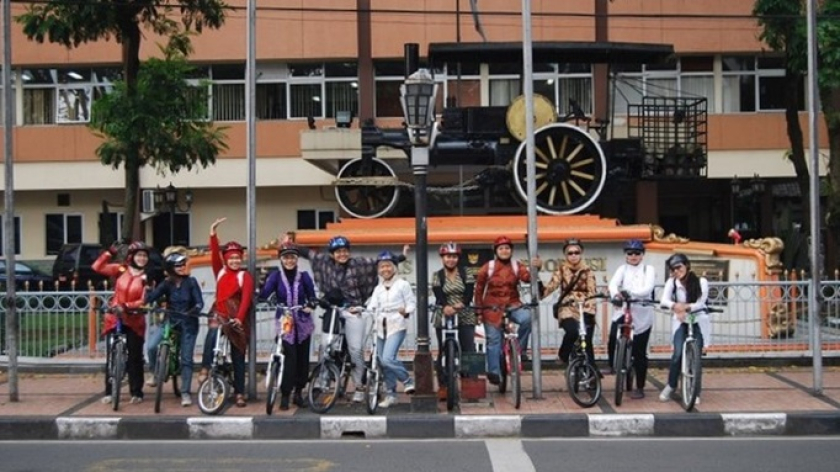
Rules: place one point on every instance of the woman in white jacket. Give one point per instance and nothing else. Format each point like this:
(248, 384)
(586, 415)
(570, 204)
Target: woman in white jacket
(633, 280)
(392, 302)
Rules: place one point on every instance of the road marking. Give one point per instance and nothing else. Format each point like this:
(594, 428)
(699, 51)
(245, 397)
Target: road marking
(507, 455)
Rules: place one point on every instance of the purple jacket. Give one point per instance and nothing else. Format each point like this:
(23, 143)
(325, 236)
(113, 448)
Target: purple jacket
(299, 291)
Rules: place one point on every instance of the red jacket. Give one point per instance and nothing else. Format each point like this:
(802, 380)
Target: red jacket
(228, 286)
(129, 291)
(501, 290)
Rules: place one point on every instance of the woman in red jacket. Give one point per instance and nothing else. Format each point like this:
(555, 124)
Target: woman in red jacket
(129, 293)
(234, 291)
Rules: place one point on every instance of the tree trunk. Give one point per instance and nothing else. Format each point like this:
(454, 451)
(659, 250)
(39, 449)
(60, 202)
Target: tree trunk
(831, 111)
(133, 161)
(793, 90)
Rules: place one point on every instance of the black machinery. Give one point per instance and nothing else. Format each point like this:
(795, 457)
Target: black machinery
(666, 137)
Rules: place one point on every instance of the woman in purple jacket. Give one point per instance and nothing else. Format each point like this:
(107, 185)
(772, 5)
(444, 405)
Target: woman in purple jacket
(293, 287)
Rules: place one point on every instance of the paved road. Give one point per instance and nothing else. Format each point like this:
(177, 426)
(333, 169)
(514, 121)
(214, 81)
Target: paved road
(497, 455)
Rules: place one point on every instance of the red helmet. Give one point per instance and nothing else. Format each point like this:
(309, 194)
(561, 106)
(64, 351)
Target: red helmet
(232, 246)
(450, 248)
(501, 241)
(136, 247)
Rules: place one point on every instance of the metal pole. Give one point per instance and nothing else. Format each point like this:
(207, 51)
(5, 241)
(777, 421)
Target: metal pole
(531, 170)
(9, 204)
(251, 106)
(423, 356)
(814, 149)
(172, 226)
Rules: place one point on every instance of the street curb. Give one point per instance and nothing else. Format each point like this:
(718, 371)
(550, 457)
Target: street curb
(23, 428)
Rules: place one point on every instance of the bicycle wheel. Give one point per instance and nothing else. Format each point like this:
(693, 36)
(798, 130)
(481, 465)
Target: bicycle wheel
(323, 387)
(515, 372)
(620, 369)
(117, 373)
(451, 375)
(161, 369)
(374, 386)
(212, 393)
(503, 371)
(691, 374)
(583, 382)
(272, 385)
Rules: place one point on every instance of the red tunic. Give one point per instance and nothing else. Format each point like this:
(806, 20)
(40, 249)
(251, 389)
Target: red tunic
(227, 285)
(501, 290)
(129, 291)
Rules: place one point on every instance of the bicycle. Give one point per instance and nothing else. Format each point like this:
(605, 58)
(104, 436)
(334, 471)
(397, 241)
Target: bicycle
(691, 368)
(623, 367)
(214, 391)
(277, 362)
(450, 358)
(168, 357)
(117, 355)
(374, 373)
(582, 377)
(510, 362)
(328, 380)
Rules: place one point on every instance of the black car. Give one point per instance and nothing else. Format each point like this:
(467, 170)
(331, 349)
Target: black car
(74, 263)
(26, 277)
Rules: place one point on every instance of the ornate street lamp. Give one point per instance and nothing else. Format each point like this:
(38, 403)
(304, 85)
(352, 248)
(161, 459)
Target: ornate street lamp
(168, 197)
(758, 185)
(417, 96)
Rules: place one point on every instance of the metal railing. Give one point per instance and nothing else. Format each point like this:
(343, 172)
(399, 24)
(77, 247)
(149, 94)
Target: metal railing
(758, 319)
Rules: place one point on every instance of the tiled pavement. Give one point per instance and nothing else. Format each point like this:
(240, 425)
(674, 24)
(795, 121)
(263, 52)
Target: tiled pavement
(763, 393)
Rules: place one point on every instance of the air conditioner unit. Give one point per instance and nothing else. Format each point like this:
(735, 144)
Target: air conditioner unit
(148, 201)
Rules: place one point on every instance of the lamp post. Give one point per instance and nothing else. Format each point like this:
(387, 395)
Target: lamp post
(417, 96)
(757, 185)
(168, 197)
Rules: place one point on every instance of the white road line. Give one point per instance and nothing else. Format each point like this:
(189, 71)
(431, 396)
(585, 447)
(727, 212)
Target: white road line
(508, 455)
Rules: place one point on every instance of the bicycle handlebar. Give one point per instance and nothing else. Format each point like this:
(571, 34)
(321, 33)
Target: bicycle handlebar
(573, 302)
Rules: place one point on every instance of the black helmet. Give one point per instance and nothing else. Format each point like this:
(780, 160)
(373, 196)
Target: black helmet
(678, 259)
(572, 242)
(173, 261)
(634, 245)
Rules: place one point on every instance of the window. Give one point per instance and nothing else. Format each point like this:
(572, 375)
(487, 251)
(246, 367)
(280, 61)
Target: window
(62, 229)
(314, 219)
(691, 76)
(228, 92)
(110, 227)
(3, 235)
(390, 75)
(271, 101)
(64, 95)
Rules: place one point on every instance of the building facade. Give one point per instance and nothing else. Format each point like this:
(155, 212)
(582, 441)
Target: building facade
(316, 61)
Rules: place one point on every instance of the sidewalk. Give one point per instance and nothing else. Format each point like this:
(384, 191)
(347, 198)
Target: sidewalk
(735, 401)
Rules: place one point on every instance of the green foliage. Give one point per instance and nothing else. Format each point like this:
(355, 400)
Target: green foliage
(783, 30)
(158, 121)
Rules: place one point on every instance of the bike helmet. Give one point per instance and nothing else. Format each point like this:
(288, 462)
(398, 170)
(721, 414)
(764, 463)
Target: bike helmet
(387, 256)
(337, 243)
(134, 248)
(634, 245)
(678, 259)
(450, 248)
(173, 261)
(289, 250)
(501, 241)
(572, 242)
(232, 247)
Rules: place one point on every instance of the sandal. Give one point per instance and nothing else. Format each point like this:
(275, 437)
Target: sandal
(240, 401)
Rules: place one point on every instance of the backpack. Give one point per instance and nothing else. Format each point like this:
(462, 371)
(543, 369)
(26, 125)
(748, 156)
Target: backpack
(514, 264)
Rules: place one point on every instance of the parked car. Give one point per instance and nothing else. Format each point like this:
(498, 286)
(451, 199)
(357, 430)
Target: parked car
(74, 263)
(26, 277)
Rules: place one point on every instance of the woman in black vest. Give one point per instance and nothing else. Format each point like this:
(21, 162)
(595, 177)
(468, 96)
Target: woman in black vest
(452, 298)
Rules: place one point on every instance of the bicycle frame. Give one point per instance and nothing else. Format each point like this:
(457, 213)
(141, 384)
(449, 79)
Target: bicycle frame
(277, 363)
(582, 377)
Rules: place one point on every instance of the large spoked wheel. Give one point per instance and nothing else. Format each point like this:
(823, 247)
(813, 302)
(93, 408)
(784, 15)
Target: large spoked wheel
(620, 369)
(367, 201)
(212, 394)
(117, 373)
(583, 382)
(570, 169)
(374, 387)
(691, 374)
(161, 368)
(323, 388)
(515, 373)
(272, 384)
(451, 375)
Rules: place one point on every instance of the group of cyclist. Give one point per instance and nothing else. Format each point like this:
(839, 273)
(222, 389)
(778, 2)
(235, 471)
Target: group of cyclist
(364, 285)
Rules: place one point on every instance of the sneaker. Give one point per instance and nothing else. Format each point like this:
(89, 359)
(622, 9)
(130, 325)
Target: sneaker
(696, 401)
(666, 394)
(150, 382)
(637, 394)
(186, 400)
(358, 396)
(136, 400)
(284, 402)
(408, 386)
(493, 378)
(388, 401)
(106, 400)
